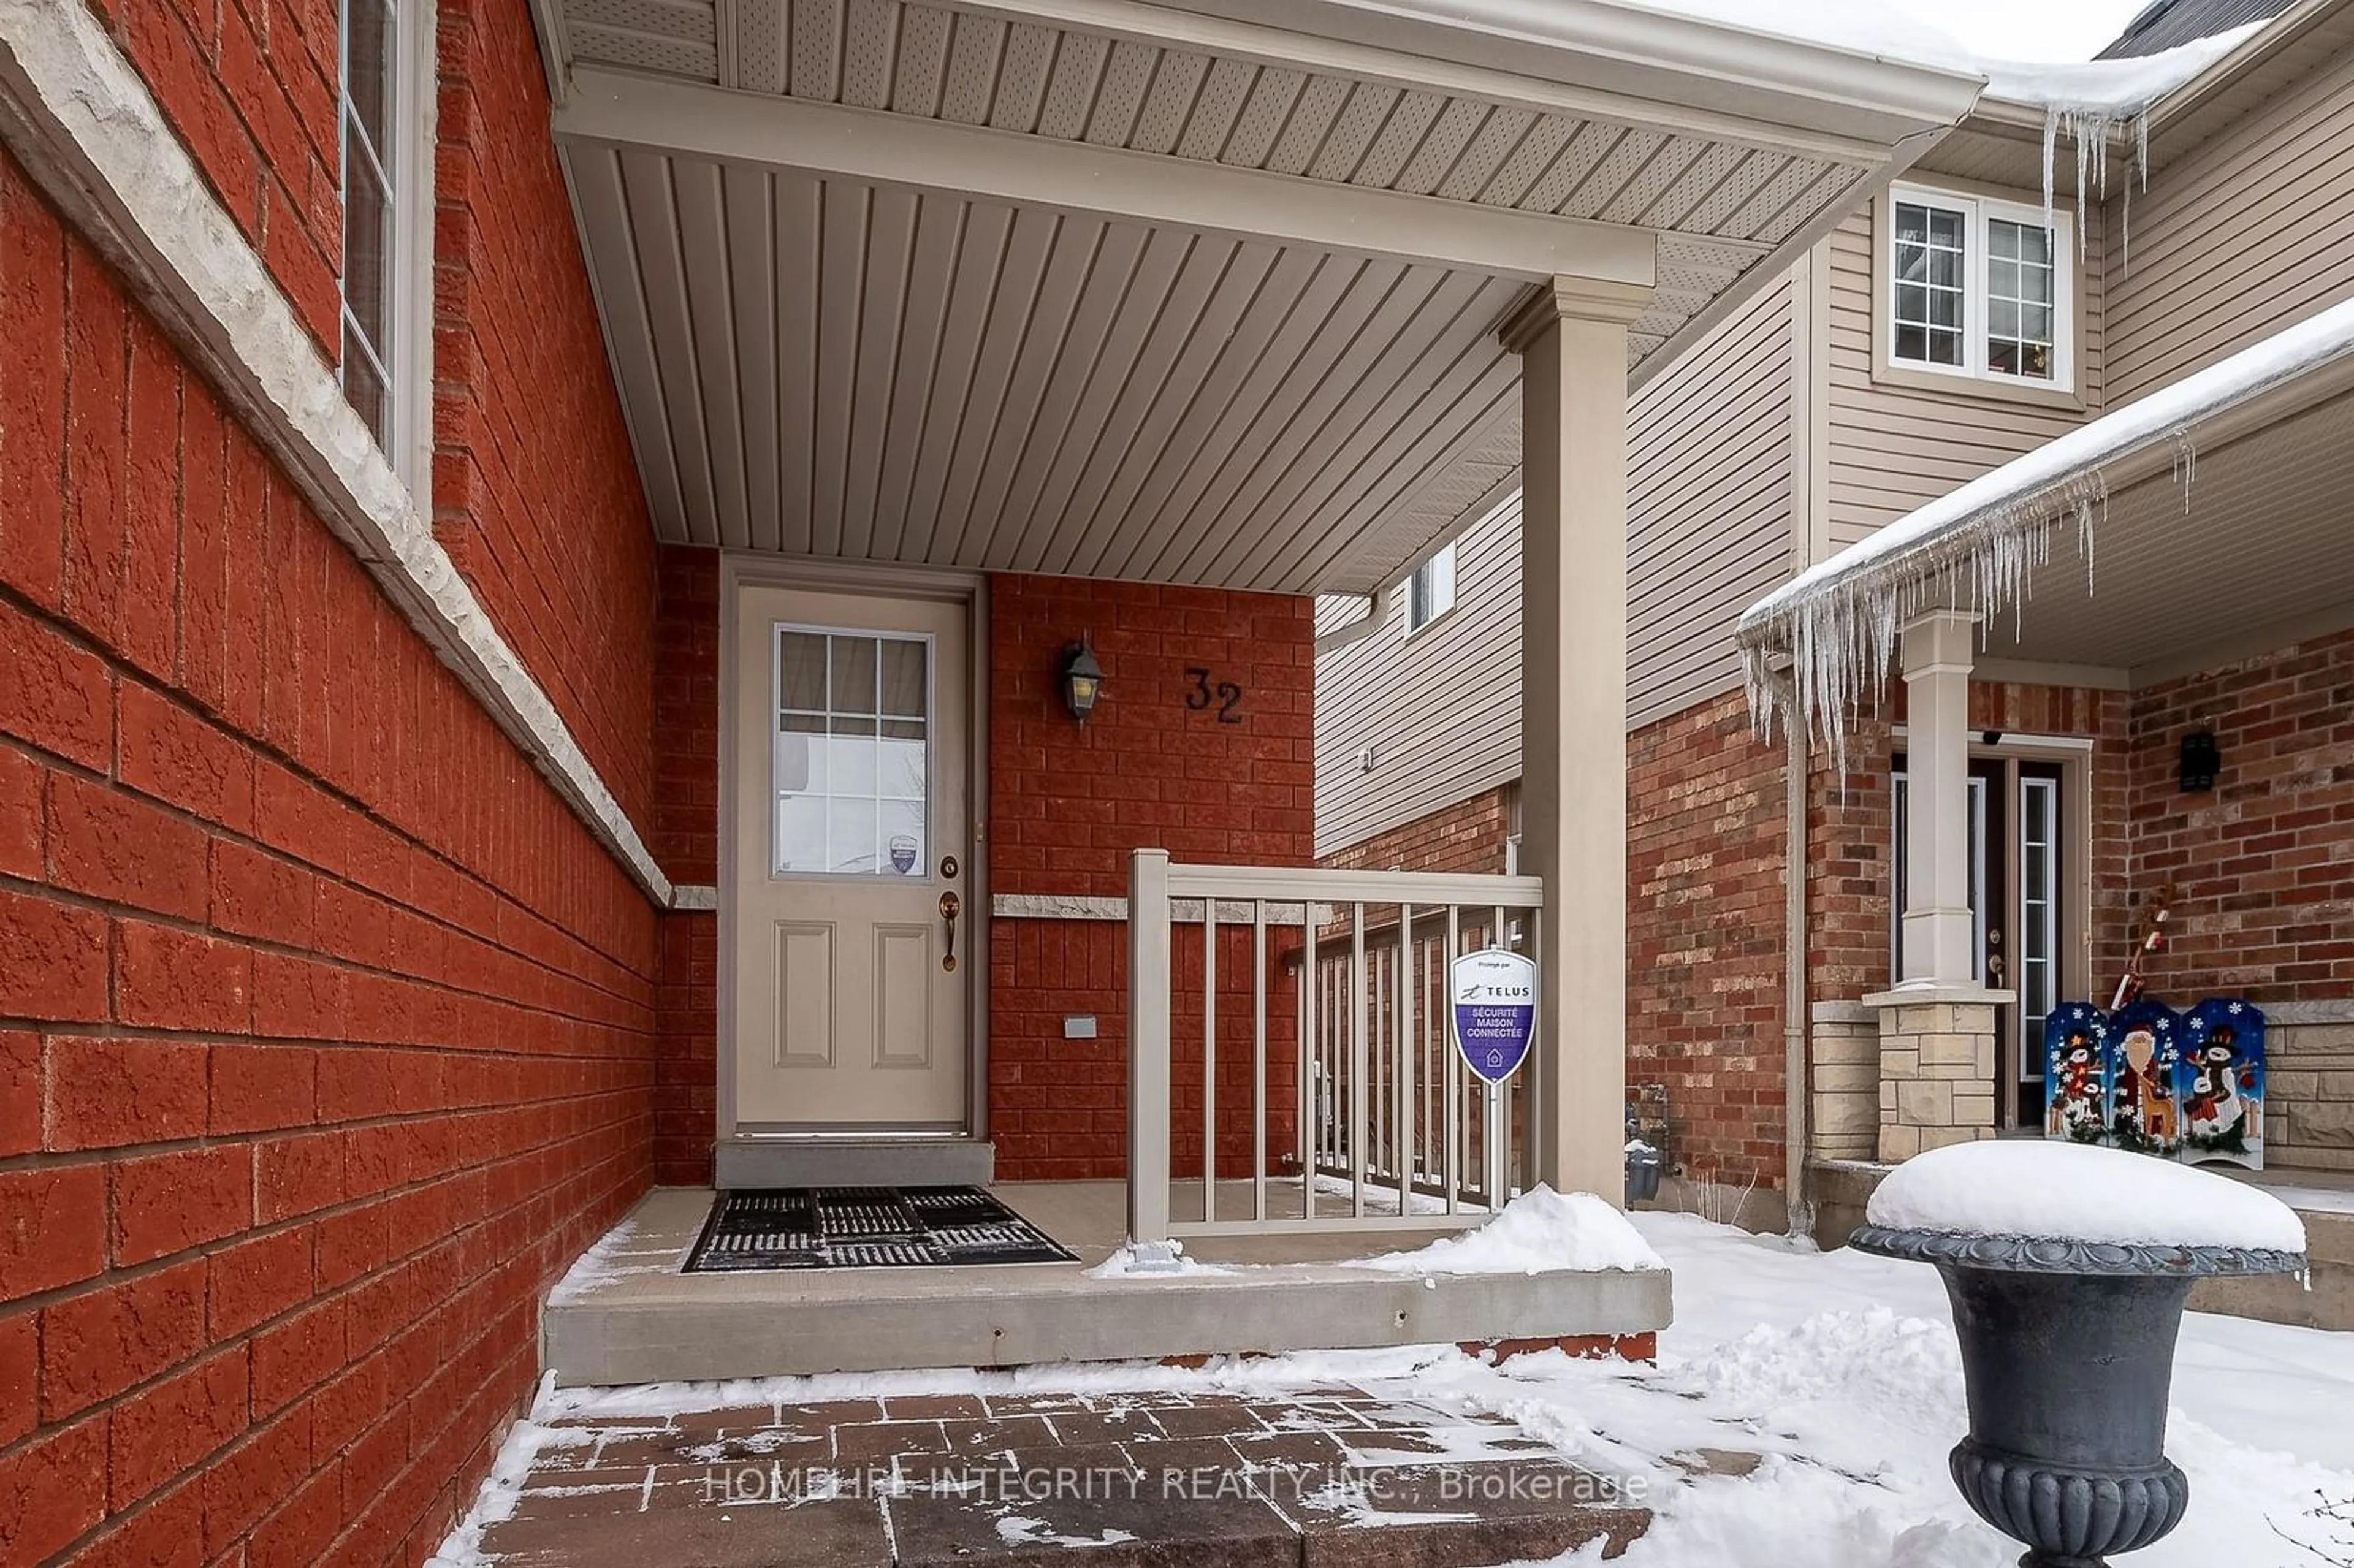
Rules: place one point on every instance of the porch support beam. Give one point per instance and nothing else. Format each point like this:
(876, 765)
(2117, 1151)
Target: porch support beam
(1938, 931)
(1571, 336)
(874, 147)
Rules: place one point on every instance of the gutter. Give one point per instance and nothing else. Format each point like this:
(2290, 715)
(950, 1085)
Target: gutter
(1353, 631)
(1596, 58)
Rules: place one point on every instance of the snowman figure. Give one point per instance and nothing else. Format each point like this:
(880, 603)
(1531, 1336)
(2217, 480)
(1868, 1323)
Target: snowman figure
(2076, 1107)
(2214, 1106)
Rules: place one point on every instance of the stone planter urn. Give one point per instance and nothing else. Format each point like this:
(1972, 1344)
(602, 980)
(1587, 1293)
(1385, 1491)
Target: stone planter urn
(2068, 1334)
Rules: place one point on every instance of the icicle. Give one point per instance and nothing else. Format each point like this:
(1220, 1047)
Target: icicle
(1843, 644)
(2050, 145)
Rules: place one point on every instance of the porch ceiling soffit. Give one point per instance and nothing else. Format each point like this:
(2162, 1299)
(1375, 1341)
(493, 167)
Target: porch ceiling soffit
(1423, 162)
(2245, 554)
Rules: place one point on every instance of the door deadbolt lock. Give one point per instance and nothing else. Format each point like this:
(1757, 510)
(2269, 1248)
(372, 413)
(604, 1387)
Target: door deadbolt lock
(948, 867)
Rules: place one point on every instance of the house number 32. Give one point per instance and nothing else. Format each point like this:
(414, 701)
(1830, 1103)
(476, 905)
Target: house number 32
(1224, 695)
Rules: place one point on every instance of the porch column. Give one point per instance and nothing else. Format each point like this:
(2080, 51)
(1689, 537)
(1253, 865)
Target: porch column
(1938, 1025)
(1938, 934)
(1572, 340)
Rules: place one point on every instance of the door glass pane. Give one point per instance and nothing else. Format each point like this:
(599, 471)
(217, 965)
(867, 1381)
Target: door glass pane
(852, 790)
(2039, 918)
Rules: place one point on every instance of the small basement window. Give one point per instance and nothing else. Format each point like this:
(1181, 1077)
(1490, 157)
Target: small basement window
(1430, 592)
(1979, 288)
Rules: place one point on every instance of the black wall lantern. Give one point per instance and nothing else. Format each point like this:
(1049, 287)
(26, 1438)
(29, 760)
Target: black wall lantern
(2201, 760)
(1082, 680)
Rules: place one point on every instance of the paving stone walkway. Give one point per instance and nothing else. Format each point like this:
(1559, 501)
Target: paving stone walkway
(1334, 1475)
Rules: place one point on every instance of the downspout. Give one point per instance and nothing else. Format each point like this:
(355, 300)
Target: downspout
(1798, 1090)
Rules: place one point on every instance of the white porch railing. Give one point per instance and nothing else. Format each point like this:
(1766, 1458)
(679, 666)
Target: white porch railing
(1361, 1115)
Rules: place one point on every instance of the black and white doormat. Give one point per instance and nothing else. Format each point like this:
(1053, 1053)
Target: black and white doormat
(864, 1227)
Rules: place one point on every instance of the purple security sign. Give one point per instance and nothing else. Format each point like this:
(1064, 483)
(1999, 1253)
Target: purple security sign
(1495, 995)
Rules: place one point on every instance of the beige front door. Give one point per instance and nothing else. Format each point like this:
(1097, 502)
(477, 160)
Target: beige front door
(850, 816)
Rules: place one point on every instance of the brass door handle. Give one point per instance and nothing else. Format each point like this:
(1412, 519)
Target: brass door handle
(950, 908)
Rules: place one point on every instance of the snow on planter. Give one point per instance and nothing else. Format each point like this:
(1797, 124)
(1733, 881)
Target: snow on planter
(2068, 1192)
(1540, 1231)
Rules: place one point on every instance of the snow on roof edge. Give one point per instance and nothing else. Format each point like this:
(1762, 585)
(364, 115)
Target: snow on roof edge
(2120, 87)
(1972, 546)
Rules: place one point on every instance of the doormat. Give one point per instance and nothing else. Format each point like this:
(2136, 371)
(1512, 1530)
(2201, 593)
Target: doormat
(865, 1227)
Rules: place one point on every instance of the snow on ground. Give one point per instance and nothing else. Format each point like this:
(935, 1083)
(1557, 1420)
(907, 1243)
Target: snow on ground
(1839, 1367)
(2072, 1191)
(1539, 1231)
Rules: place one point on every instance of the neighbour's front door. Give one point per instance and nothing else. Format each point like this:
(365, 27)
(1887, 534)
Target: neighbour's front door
(853, 951)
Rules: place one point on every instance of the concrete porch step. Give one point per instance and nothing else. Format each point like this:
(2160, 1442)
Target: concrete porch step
(853, 1162)
(1336, 1475)
(631, 1315)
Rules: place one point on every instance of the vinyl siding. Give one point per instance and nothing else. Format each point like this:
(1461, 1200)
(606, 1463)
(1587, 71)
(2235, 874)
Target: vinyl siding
(2238, 240)
(1709, 489)
(1441, 709)
(1895, 448)
(1709, 495)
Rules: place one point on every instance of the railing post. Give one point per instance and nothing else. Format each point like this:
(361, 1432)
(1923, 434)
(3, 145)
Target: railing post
(1149, 1124)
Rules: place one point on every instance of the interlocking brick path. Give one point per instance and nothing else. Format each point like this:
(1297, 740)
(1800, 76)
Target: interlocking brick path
(1367, 1475)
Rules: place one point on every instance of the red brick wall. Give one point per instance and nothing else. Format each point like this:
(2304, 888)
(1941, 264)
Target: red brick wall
(1066, 805)
(325, 1027)
(535, 493)
(1705, 826)
(2264, 886)
(1468, 836)
(684, 837)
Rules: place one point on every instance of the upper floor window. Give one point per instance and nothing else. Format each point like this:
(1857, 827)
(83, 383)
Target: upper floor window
(384, 107)
(1430, 592)
(1979, 287)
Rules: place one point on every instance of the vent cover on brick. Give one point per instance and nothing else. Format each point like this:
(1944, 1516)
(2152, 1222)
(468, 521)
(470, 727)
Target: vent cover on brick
(865, 1227)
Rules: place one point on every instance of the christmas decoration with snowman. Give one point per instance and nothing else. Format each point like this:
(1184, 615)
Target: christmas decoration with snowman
(2142, 1077)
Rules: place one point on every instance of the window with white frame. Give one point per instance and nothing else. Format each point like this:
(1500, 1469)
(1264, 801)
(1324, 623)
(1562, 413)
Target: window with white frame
(384, 110)
(1430, 592)
(1979, 288)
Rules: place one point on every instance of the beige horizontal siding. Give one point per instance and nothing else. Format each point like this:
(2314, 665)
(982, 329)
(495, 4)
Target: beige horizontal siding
(2243, 236)
(1709, 496)
(1441, 709)
(1709, 489)
(1895, 448)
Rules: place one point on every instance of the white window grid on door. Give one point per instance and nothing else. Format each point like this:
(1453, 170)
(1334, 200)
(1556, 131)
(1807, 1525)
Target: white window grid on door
(815, 748)
(1964, 296)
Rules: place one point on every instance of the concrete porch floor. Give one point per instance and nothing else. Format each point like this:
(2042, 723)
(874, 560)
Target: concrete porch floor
(627, 1314)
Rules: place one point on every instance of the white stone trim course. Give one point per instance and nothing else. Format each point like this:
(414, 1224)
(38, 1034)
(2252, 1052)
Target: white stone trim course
(81, 118)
